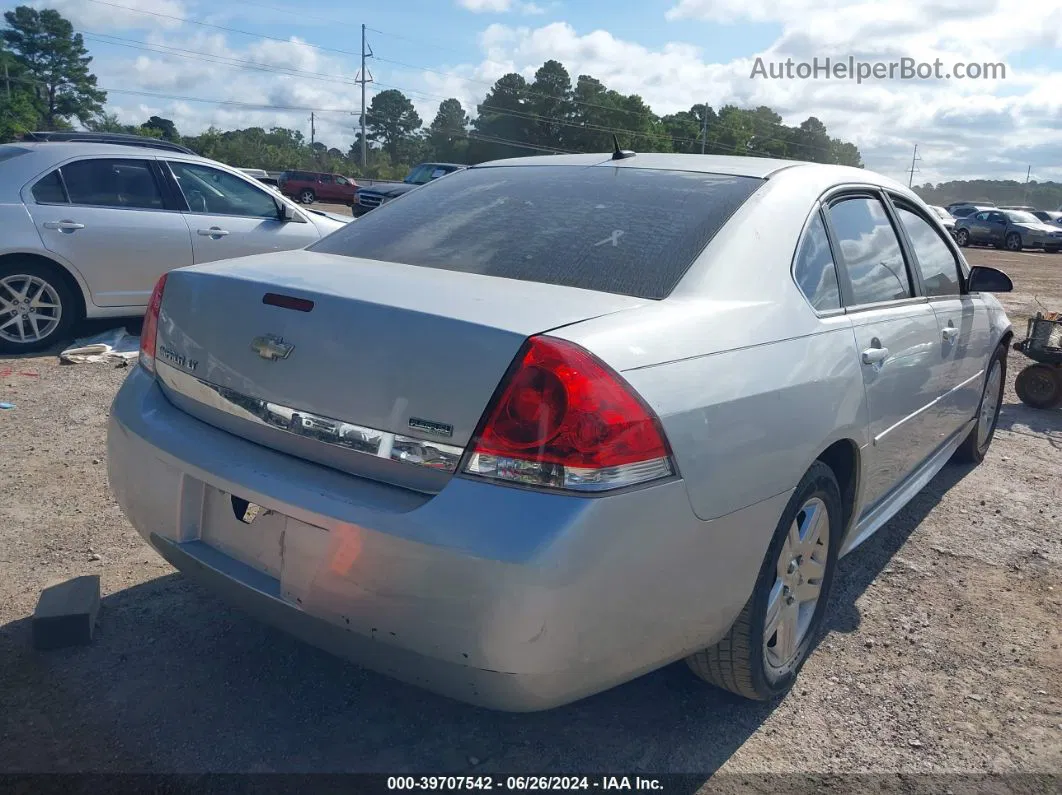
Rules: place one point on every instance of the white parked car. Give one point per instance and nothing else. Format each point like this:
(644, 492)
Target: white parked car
(88, 226)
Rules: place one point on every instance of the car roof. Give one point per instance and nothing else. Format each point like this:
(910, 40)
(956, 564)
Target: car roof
(727, 165)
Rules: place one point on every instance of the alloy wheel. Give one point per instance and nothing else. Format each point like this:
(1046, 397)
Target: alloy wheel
(794, 595)
(30, 309)
(989, 404)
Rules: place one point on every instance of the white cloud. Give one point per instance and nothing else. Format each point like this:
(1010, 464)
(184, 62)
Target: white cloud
(959, 124)
(500, 7)
(96, 16)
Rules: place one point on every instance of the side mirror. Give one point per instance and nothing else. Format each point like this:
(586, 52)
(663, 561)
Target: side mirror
(290, 214)
(983, 279)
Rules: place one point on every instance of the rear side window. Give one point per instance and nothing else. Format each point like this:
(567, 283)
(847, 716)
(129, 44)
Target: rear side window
(50, 190)
(815, 271)
(617, 230)
(105, 182)
(936, 263)
(870, 250)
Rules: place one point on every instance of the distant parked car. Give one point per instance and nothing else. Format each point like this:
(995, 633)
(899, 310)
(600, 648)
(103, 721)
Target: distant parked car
(313, 186)
(1010, 229)
(946, 218)
(1022, 207)
(963, 209)
(547, 424)
(261, 175)
(1049, 216)
(371, 198)
(87, 228)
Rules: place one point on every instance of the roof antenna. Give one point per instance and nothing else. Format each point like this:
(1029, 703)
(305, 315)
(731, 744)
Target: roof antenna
(620, 154)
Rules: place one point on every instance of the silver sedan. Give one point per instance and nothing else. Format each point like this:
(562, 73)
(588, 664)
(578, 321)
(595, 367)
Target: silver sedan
(87, 227)
(533, 430)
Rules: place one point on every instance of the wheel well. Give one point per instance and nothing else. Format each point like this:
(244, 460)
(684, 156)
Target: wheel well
(843, 458)
(67, 277)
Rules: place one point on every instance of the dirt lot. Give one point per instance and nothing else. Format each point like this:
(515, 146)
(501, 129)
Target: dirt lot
(942, 655)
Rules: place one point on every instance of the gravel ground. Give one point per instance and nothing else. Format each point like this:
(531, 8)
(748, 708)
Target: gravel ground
(942, 651)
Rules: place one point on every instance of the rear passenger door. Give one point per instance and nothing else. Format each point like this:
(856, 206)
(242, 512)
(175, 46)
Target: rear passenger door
(965, 340)
(228, 216)
(111, 220)
(895, 334)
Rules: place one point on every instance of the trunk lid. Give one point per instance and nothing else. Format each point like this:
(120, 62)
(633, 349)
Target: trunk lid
(393, 365)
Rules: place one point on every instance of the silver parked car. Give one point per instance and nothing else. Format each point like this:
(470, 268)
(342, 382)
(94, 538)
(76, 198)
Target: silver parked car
(86, 229)
(540, 427)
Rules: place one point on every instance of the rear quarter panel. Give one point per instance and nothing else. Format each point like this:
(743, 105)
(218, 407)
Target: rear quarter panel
(745, 424)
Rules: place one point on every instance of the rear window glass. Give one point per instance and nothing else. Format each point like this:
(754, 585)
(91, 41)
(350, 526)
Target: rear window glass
(618, 230)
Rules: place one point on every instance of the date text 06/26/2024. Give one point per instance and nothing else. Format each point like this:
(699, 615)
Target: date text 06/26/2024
(522, 783)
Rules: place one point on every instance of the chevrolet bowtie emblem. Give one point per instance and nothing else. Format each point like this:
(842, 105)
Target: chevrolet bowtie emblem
(272, 347)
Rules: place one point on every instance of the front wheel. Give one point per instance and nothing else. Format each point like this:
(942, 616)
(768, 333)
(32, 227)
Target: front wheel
(1040, 386)
(36, 307)
(962, 237)
(768, 643)
(1013, 242)
(974, 447)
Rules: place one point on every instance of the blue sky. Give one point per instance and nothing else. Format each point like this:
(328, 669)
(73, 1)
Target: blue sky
(673, 52)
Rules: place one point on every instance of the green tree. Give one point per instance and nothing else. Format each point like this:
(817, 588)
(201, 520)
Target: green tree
(392, 121)
(502, 127)
(51, 54)
(448, 133)
(18, 112)
(167, 129)
(550, 105)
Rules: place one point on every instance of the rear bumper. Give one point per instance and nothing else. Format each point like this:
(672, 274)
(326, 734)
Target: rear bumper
(502, 597)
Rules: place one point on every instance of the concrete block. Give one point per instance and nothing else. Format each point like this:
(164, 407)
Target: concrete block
(66, 613)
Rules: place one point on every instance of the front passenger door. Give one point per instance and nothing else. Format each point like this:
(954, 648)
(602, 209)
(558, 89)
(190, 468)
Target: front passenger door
(229, 217)
(896, 341)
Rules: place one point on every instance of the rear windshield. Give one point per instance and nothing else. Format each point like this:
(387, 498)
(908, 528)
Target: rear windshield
(617, 230)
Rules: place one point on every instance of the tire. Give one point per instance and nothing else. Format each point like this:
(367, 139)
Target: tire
(974, 447)
(745, 661)
(962, 237)
(1013, 242)
(41, 284)
(1040, 386)
(307, 196)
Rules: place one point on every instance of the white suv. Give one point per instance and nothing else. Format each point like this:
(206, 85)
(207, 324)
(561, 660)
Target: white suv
(88, 226)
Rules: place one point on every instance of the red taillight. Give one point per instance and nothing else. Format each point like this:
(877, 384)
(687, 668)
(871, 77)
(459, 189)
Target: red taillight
(151, 326)
(563, 419)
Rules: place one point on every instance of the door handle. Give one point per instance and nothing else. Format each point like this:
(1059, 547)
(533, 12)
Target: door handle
(875, 355)
(64, 226)
(950, 333)
(214, 231)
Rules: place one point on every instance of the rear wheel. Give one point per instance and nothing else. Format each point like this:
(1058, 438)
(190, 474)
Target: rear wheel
(974, 447)
(1013, 242)
(37, 307)
(962, 237)
(1040, 386)
(765, 648)
(307, 196)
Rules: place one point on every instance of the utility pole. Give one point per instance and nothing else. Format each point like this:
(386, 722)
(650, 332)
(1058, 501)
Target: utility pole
(7, 80)
(1025, 190)
(363, 78)
(704, 130)
(313, 130)
(914, 157)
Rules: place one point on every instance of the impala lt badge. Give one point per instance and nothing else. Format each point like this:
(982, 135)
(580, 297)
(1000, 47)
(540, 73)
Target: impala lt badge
(272, 347)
